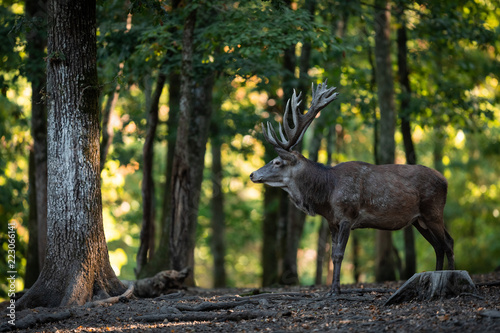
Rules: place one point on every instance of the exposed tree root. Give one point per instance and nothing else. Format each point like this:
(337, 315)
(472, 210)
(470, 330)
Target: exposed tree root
(115, 299)
(210, 306)
(35, 319)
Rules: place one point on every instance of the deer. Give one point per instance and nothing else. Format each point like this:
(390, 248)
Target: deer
(353, 195)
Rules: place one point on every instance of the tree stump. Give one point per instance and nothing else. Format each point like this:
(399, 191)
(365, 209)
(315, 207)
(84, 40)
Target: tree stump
(433, 285)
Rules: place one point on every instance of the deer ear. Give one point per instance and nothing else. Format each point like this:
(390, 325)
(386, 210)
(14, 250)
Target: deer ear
(286, 155)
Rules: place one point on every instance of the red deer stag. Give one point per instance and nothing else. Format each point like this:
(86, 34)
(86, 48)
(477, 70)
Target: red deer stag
(355, 195)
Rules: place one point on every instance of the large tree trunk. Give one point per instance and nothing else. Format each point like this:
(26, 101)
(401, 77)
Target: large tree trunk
(36, 50)
(77, 267)
(411, 158)
(181, 229)
(146, 246)
(384, 266)
(218, 222)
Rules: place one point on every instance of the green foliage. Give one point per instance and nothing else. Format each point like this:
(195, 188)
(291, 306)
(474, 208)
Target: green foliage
(453, 58)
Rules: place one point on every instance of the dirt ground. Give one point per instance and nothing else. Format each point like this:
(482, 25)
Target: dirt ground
(360, 308)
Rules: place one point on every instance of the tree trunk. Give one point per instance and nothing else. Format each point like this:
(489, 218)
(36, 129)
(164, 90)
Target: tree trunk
(107, 129)
(270, 256)
(384, 266)
(270, 241)
(295, 218)
(160, 261)
(197, 140)
(181, 229)
(411, 158)
(144, 253)
(37, 42)
(437, 152)
(77, 267)
(32, 264)
(218, 224)
(333, 138)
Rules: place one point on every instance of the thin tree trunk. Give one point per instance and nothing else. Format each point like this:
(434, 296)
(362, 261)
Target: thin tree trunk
(287, 226)
(172, 123)
(32, 264)
(77, 264)
(437, 152)
(198, 138)
(144, 254)
(161, 261)
(218, 223)
(332, 139)
(322, 245)
(36, 43)
(107, 129)
(287, 258)
(411, 158)
(385, 265)
(295, 217)
(271, 250)
(181, 228)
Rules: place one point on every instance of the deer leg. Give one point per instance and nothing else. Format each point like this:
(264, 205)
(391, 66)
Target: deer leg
(338, 250)
(449, 250)
(334, 230)
(438, 247)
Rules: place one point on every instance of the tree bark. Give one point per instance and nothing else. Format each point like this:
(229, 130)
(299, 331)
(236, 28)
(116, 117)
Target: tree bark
(384, 267)
(77, 266)
(144, 254)
(410, 266)
(218, 222)
(181, 228)
(37, 41)
(198, 137)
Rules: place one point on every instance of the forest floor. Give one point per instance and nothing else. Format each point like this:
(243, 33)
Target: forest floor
(360, 308)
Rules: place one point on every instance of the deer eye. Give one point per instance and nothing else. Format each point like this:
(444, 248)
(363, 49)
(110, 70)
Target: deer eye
(278, 163)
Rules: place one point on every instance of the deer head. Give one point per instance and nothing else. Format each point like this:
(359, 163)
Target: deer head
(279, 171)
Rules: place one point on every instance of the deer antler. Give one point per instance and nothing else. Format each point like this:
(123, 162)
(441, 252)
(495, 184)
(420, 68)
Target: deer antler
(321, 97)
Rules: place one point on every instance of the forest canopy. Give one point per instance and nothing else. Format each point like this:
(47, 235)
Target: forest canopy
(246, 58)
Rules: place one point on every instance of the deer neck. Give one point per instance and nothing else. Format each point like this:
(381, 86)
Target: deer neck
(310, 188)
